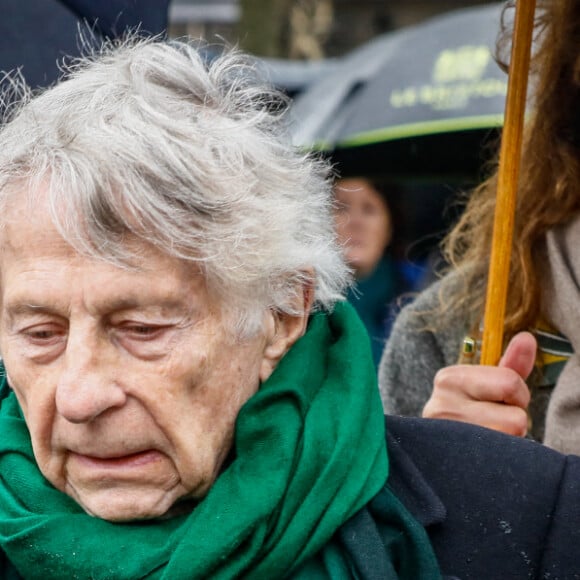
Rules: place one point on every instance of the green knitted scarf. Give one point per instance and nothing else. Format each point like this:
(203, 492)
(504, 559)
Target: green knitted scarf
(309, 453)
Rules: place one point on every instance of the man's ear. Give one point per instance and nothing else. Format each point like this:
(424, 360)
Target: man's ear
(283, 330)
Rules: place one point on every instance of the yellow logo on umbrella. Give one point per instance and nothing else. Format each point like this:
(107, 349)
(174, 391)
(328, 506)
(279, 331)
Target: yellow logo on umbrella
(458, 76)
(467, 63)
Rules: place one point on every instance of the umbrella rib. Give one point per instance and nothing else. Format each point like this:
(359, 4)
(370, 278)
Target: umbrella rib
(423, 128)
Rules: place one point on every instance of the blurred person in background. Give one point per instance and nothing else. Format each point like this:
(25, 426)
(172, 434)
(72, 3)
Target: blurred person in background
(367, 217)
(365, 229)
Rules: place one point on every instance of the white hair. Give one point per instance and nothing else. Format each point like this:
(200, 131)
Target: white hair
(146, 139)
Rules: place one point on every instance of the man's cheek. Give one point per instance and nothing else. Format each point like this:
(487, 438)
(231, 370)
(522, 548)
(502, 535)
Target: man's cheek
(17, 384)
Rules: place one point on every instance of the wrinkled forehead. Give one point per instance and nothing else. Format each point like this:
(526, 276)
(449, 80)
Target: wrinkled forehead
(27, 225)
(23, 203)
(48, 207)
(25, 208)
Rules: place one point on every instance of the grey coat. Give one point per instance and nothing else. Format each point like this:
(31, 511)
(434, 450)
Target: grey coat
(414, 353)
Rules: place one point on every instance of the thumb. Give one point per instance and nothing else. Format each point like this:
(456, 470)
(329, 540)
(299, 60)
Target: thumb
(520, 354)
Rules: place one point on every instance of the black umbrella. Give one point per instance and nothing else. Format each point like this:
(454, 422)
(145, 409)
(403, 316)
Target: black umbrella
(294, 76)
(36, 34)
(415, 102)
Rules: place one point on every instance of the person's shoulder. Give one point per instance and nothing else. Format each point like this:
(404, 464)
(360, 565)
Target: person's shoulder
(426, 299)
(450, 440)
(419, 327)
(414, 313)
(432, 316)
(423, 308)
(509, 504)
(415, 350)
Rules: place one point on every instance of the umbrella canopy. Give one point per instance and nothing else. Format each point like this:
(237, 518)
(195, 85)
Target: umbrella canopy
(36, 34)
(294, 76)
(415, 102)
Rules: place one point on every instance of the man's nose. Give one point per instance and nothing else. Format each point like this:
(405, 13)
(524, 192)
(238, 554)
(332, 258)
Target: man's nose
(87, 387)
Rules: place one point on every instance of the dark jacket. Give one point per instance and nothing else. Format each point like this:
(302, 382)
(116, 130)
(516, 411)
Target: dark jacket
(494, 506)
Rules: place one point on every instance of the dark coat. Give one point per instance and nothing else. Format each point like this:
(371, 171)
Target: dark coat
(495, 507)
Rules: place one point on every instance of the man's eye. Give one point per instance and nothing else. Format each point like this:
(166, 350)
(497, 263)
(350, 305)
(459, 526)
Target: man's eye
(143, 331)
(43, 335)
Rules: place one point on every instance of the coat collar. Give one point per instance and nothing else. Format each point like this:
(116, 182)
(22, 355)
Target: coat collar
(409, 485)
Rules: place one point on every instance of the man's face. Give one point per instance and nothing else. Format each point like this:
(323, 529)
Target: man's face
(129, 383)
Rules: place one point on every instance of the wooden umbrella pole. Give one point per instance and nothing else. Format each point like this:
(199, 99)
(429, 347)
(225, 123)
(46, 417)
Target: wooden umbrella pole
(508, 173)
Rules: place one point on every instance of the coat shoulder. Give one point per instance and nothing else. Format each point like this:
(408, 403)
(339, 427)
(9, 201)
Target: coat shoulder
(494, 506)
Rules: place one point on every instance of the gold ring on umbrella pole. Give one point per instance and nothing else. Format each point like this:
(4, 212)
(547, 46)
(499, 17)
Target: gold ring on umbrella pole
(469, 353)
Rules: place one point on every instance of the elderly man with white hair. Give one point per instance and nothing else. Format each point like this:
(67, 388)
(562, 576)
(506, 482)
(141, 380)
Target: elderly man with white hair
(186, 393)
